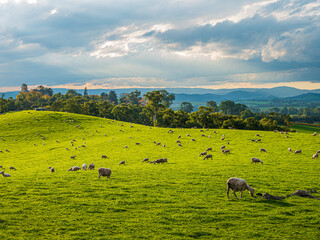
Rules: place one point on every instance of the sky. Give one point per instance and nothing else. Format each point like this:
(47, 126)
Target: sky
(162, 44)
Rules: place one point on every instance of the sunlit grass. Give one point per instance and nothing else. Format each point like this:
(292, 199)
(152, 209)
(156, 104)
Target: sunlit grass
(183, 199)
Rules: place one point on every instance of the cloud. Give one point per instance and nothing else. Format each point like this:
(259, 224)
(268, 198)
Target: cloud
(165, 43)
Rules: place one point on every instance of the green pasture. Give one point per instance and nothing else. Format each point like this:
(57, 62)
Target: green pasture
(182, 199)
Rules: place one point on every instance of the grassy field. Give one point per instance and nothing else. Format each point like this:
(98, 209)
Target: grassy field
(182, 199)
(306, 128)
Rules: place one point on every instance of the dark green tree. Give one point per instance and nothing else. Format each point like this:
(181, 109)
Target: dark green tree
(113, 98)
(186, 107)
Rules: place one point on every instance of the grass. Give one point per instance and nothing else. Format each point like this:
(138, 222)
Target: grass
(183, 199)
(306, 128)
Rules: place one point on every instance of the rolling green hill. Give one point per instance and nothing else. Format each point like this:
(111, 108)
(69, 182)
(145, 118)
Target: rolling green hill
(182, 199)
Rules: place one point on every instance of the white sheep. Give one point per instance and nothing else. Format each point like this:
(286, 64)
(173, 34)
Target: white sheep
(104, 156)
(13, 168)
(5, 174)
(209, 149)
(238, 185)
(289, 149)
(105, 172)
(122, 162)
(255, 160)
(315, 155)
(297, 151)
(263, 150)
(84, 166)
(74, 168)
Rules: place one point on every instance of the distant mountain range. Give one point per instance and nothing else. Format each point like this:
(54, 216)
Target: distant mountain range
(218, 95)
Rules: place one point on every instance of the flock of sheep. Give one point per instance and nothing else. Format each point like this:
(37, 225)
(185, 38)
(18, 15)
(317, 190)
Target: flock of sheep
(235, 184)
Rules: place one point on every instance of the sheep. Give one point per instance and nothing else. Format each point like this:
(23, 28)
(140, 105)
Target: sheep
(13, 168)
(289, 149)
(255, 160)
(225, 151)
(193, 139)
(51, 169)
(72, 157)
(104, 172)
(222, 147)
(161, 160)
(145, 160)
(297, 151)
(5, 174)
(179, 137)
(126, 146)
(202, 154)
(84, 166)
(178, 141)
(122, 162)
(104, 156)
(91, 166)
(208, 156)
(314, 134)
(253, 140)
(259, 140)
(222, 138)
(0, 166)
(318, 151)
(163, 145)
(138, 143)
(238, 185)
(180, 145)
(315, 155)
(74, 168)
(263, 150)
(257, 135)
(209, 149)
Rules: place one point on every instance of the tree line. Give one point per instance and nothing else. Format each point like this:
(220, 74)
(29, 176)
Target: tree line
(153, 108)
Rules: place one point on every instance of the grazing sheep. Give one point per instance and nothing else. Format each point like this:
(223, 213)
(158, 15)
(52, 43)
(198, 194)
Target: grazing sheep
(104, 172)
(202, 135)
(138, 143)
(178, 141)
(256, 160)
(225, 151)
(158, 144)
(238, 185)
(253, 140)
(318, 151)
(13, 168)
(315, 155)
(73, 157)
(161, 160)
(5, 174)
(7, 150)
(259, 140)
(145, 160)
(104, 156)
(84, 166)
(263, 150)
(222, 147)
(180, 145)
(208, 156)
(0, 166)
(289, 149)
(122, 162)
(188, 135)
(209, 149)
(314, 134)
(126, 146)
(163, 145)
(74, 168)
(222, 138)
(202, 154)
(91, 166)
(297, 151)
(179, 137)
(257, 135)
(51, 169)
(193, 139)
